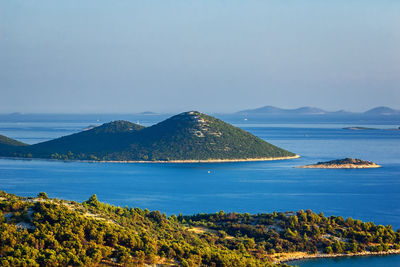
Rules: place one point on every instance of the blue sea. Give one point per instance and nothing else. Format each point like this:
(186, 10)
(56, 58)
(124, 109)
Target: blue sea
(254, 187)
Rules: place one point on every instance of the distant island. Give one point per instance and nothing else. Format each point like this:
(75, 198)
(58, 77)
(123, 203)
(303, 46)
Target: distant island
(369, 128)
(40, 231)
(281, 111)
(186, 137)
(90, 127)
(271, 110)
(265, 114)
(359, 128)
(382, 111)
(347, 163)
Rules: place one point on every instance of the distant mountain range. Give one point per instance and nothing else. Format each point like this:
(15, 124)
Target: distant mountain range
(189, 136)
(152, 116)
(382, 111)
(271, 110)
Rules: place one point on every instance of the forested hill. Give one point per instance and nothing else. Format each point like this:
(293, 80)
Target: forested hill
(37, 231)
(89, 144)
(6, 141)
(8, 144)
(196, 136)
(186, 136)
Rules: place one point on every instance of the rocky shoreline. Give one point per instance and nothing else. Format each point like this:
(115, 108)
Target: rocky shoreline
(163, 161)
(334, 166)
(305, 256)
(203, 161)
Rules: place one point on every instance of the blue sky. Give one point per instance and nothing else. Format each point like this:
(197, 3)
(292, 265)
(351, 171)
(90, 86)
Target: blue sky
(208, 55)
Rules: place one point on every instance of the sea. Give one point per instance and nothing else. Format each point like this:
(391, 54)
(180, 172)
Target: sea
(253, 187)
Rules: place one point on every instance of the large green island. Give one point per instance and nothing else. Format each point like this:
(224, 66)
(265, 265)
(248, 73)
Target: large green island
(39, 231)
(186, 137)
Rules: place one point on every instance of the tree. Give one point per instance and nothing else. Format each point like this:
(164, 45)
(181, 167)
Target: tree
(329, 250)
(42, 195)
(93, 201)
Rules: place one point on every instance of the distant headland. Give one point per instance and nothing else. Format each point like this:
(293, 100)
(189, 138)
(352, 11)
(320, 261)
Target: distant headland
(186, 137)
(347, 163)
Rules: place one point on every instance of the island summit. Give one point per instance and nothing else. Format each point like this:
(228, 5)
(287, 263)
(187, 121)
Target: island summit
(186, 137)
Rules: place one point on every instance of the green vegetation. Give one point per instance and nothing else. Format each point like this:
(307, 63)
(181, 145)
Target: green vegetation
(42, 195)
(301, 231)
(6, 142)
(40, 232)
(187, 136)
(51, 232)
(346, 161)
(9, 146)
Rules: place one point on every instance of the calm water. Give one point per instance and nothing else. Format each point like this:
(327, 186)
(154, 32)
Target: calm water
(375, 261)
(366, 194)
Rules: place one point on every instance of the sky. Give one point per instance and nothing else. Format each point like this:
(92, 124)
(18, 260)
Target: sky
(97, 56)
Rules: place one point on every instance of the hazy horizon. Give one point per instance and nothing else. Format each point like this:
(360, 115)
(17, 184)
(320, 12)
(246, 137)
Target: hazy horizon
(179, 111)
(212, 56)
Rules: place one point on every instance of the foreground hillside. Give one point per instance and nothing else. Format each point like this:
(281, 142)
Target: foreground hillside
(189, 136)
(50, 232)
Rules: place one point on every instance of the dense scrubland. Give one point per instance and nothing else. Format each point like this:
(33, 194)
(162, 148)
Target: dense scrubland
(38, 231)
